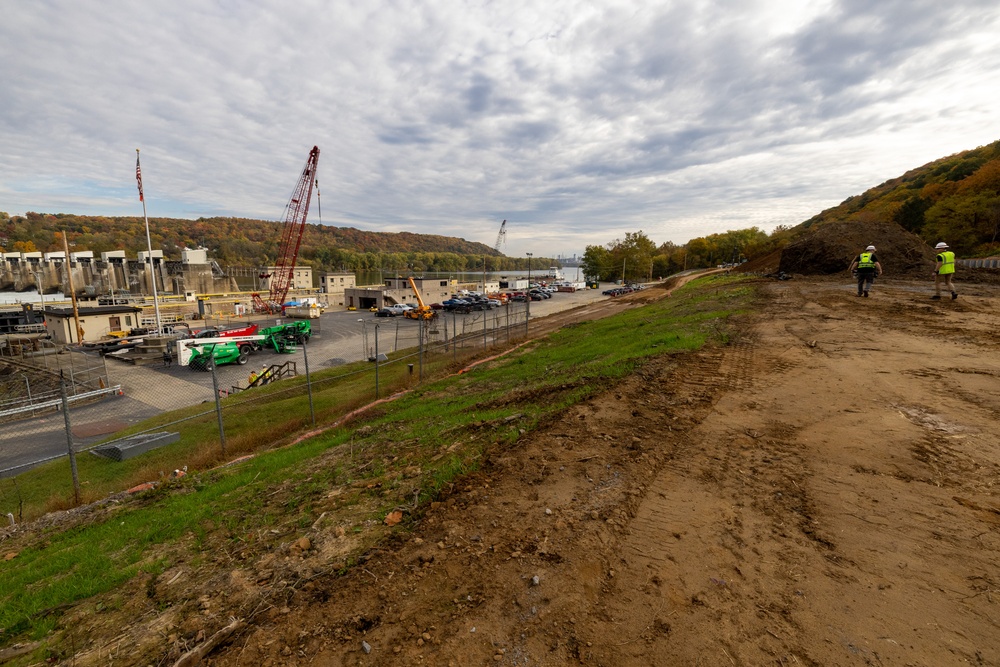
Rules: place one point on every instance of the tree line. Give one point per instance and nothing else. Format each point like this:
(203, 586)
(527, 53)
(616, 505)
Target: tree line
(956, 199)
(255, 243)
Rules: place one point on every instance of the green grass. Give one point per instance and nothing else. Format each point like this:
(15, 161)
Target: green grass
(424, 440)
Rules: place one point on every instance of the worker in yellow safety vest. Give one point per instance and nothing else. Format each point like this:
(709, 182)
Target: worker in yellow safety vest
(943, 271)
(253, 377)
(868, 268)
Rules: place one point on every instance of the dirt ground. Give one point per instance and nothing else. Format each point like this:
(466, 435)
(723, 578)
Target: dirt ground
(821, 491)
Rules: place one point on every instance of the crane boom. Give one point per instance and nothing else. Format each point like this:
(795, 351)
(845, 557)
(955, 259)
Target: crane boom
(423, 311)
(291, 237)
(501, 236)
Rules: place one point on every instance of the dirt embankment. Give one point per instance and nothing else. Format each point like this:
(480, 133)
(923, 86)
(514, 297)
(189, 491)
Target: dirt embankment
(821, 491)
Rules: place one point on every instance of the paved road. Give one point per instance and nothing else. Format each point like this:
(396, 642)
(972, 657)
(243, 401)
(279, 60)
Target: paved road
(338, 338)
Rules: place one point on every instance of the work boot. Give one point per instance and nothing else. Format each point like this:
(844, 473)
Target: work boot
(954, 295)
(866, 294)
(936, 297)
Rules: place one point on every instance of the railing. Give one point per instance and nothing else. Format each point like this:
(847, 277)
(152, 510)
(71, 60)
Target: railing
(56, 403)
(980, 263)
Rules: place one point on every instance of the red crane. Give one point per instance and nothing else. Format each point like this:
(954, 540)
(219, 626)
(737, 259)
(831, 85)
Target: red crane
(291, 238)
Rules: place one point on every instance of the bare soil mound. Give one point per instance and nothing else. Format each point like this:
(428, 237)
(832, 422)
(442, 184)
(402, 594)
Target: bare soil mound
(830, 248)
(764, 264)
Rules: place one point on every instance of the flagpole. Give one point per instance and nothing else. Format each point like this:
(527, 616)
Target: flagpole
(149, 245)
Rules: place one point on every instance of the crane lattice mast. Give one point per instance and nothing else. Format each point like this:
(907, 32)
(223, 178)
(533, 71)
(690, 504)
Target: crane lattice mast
(501, 236)
(291, 238)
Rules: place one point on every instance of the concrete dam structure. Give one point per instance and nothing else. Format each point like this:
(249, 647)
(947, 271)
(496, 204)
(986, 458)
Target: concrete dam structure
(113, 274)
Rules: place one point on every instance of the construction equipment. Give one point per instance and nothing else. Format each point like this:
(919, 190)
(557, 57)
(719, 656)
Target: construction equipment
(291, 238)
(422, 311)
(501, 236)
(219, 354)
(284, 337)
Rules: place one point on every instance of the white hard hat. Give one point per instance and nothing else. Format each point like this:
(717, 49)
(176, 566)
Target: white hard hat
(941, 246)
(871, 247)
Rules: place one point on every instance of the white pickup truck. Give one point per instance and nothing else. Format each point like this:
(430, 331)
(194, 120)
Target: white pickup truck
(398, 308)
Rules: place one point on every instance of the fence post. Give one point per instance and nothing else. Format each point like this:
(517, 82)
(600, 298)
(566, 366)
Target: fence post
(218, 400)
(376, 362)
(69, 439)
(454, 335)
(305, 358)
(527, 315)
(420, 346)
(72, 370)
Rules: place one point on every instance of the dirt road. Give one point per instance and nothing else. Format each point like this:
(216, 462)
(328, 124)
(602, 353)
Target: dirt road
(822, 491)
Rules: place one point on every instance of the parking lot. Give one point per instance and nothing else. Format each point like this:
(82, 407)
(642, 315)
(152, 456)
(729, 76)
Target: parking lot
(338, 338)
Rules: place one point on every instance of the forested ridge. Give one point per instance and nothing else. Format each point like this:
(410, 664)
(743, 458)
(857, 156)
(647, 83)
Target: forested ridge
(955, 199)
(252, 243)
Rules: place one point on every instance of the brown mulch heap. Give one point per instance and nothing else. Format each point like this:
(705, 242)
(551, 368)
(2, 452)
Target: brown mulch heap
(830, 248)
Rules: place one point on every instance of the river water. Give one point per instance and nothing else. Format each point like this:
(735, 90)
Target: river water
(29, 297)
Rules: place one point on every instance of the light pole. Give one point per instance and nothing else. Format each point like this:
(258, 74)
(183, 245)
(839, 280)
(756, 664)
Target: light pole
(40, 288)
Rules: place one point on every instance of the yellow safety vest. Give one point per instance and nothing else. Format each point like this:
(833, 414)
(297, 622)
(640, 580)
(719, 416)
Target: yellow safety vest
(866, 261)
(947, 259)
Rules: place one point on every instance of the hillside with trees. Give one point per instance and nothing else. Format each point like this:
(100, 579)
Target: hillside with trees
(253, 243)
(955, 199)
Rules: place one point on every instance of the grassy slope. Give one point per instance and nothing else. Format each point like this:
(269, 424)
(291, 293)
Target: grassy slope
(406, 449)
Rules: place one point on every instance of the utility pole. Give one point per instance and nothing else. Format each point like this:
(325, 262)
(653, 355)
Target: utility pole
(72, 291)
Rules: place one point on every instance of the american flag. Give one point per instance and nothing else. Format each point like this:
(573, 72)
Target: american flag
(138, 175)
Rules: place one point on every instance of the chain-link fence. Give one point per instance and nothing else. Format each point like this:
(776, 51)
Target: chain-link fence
(61, 401)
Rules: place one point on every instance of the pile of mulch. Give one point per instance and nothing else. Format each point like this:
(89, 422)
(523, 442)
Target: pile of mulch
(830, 248)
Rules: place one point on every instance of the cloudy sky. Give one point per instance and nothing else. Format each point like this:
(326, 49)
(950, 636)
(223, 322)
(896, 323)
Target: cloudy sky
(575, 120)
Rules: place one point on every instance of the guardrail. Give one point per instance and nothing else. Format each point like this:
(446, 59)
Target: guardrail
(57, 402)
(980, 263)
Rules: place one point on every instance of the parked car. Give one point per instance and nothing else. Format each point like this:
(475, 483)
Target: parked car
(384, 312)
(457, 305)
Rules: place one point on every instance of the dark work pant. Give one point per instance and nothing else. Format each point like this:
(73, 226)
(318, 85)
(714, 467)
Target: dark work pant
(865, 281)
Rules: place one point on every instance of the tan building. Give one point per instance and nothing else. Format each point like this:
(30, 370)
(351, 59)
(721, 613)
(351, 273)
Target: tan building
(398, 290)
(302, 278)
(334, 285)
(96, 321)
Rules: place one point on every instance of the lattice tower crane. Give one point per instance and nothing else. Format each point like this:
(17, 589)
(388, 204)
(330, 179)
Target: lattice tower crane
(501, 236)
(291, 238)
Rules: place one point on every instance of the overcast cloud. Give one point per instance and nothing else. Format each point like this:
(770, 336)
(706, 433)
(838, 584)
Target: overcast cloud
(575, 120)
